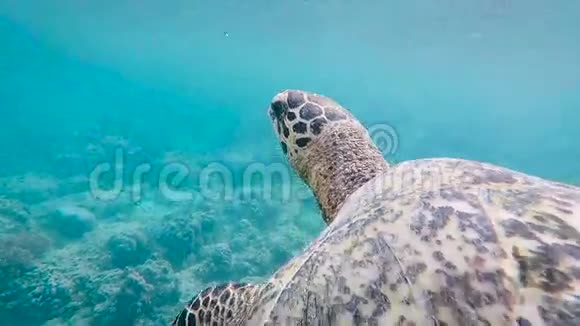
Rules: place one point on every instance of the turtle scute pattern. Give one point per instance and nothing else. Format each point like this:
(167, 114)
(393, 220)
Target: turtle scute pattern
(305, 114)
(443, 242)
(218, 305)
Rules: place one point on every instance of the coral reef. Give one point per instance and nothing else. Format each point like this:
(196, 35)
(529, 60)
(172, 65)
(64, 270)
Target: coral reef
(71, 221)
(67, 258)
(141, 292)
(39, 295)
(18, 253)
(178, 236)
(128, 249)
(14, 216)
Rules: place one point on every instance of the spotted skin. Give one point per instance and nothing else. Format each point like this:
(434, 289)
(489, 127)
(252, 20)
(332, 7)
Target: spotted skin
(431, 242)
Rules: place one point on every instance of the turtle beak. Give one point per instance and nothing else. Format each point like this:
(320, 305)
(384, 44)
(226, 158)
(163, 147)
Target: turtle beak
(278, 106)
(271, 114)
(277, 109)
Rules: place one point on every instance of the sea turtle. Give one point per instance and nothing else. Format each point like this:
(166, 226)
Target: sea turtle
(437, 241)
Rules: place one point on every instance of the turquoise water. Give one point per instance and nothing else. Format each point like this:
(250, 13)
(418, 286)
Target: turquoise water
(189, 82)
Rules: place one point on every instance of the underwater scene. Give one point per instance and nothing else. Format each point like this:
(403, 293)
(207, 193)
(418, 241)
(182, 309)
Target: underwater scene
(139, 164)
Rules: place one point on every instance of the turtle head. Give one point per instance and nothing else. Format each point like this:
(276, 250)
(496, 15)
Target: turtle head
(326, 145)
(300, 117)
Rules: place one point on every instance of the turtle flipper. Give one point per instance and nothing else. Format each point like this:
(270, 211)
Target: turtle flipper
(218, 305)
